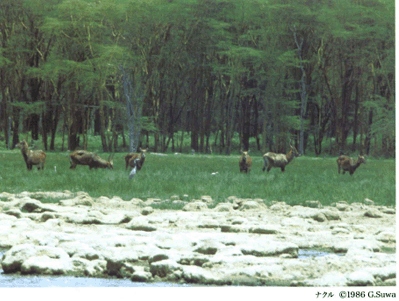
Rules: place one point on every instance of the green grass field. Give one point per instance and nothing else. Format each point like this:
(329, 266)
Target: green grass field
(306, 178)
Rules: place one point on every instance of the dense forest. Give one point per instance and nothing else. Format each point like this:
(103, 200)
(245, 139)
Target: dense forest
(132, 71)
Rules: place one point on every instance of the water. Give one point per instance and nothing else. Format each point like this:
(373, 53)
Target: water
(313, 253)
(61, 281)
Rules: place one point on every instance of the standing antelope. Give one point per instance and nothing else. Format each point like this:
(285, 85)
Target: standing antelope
(82, 157)
(245, 162)
(136, 160)
(279, 160)
(349, 164)
(37, 157)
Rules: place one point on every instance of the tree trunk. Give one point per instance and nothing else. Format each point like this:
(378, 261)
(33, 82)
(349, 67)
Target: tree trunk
(15, 133)
(303, 92)
(355, 121)
(367, 141)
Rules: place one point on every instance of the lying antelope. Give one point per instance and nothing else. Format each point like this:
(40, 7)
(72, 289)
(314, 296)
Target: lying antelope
(279, 160)
(349, 164)
(136, 160)
(82, 157)
(245, 162)
(37, 157)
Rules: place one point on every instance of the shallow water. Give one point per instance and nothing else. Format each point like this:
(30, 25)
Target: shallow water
(313, 253)
(61, 281)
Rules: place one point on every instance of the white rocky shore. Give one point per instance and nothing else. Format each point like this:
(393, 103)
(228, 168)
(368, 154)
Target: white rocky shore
(239, 242)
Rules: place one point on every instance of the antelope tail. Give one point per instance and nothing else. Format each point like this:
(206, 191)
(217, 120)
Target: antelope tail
(265, 164)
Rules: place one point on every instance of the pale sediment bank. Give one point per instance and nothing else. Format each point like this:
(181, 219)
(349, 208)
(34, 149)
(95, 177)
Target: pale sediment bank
(239, 242)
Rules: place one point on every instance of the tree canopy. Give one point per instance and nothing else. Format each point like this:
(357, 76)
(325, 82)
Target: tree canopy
(314, 73)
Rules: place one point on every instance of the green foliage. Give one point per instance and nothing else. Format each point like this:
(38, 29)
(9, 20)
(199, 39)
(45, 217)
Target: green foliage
(200, 63)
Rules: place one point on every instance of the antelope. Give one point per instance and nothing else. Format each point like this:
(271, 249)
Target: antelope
(82, 157)
(349, 164)
(279, 160)
(37, 157)
(245, 162)
(136, 160)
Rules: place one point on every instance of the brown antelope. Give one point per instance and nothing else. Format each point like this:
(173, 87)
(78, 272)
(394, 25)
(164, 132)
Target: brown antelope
(136, 160)
(82, 157)
(279, 160)
(245, 162)
(349, 164)
(37, 157)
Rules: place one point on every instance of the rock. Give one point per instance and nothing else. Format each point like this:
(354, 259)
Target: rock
(141, 276)
(338, 230)
(117, 218)
(340, 247)
(194, 274)
(164, 267)
(329, 279)
(224, 207)
(320, 217)
(147, 210)
(331, 215)
(387, 237)
(280, 206)
(233, 228)
(195, 206)
(231, 198)
(157, 257)
(250, 205)
(270, 248)
(150, 201)
(96, 268)
(253, 247)
(117, 258)
(46, 216)
(239, 220)
(32, 205)
(174, 198)
(14, 212)
(388, 210)
(207, 247)
(14, 258)
(45, 265)
(206, 199)
(359, 228)
(67, 203)
(342, 207)
(136, 202)
(389, 282)
(374, 213)
(88, 254)
(383, 273)
(128, 269)
(140, 226)
(360, 254)
(313, 204)
(81, 199)
(265, 229)
(360, 278)
(368, 202)
(209, 224)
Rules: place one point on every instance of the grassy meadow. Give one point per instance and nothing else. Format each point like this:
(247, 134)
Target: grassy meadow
(306, 178)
